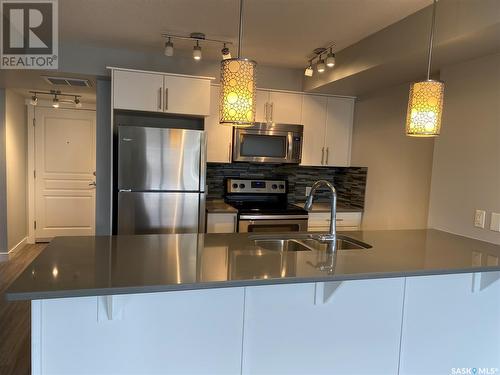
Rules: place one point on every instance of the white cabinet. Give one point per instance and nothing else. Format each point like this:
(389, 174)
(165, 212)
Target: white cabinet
(320, 221)
(451, 321)
(338, 134)
(159, 92)
(219, 137)
(327, 130)
(186, 95)
(221, 222)
(314, 120)
(278, 107)
(356, 331)
(137, 91)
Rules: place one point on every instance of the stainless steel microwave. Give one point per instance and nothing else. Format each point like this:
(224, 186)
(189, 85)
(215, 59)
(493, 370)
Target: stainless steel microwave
(268, 143)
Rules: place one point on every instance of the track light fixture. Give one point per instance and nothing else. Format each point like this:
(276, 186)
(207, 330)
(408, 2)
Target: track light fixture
(321, 64)
(330, 59)
(197, 51)
(169, 48)
(197, 37)
(226, 54)
(56, 101)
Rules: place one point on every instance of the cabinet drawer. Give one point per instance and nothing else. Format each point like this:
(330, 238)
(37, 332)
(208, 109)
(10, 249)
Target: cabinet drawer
(221, 223)
(344, 219)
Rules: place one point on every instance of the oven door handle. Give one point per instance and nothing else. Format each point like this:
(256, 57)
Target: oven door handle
(273, 217)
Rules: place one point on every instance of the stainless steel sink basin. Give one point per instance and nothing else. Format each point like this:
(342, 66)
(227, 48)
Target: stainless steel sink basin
(305, 242)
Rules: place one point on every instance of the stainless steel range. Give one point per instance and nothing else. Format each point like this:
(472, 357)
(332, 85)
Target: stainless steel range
(263, 206)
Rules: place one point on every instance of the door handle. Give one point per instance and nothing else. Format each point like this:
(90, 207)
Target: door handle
(265, 111)
(159, 98)
(272, 112)
(92, 184)
(229, 153)
(166, 99)
(327, 149)
(322, 155)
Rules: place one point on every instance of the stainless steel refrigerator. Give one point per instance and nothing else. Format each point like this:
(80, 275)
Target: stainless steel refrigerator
(161, 180)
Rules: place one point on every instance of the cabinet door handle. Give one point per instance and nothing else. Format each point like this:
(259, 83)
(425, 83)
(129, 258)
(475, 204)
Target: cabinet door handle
(265, 111)
(229, 153)
(322, 155)
(159, 98)
(235, 220)
(272, 112)
(166, 99)
(326, 162)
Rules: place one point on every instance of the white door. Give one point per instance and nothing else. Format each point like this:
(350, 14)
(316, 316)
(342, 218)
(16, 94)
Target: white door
(138, 91)
(339, 132)
(65, 167)
(218, 136)
(261, 111)
(184, 95)
(285, 108)
(314, 120)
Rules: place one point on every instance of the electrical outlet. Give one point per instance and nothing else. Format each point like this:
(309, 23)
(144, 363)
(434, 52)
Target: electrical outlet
(479, 218)
(495, 222)
(308, 190)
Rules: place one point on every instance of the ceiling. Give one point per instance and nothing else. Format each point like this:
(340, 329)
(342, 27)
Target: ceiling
(276, 32)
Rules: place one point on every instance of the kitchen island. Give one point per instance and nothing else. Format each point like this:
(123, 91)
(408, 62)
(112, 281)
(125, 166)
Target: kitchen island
(416, 302)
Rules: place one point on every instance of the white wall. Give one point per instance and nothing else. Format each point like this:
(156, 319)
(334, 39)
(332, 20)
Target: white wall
(16, 168)
(466, 170)
(399, 167)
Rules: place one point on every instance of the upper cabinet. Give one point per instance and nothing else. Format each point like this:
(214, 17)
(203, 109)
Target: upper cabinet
(278, 107)
(219, 137)
(327, 130)
(159, 92)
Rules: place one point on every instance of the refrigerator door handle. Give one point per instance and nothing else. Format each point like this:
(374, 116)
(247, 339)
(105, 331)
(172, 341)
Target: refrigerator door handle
(202, 215)
(203, 161)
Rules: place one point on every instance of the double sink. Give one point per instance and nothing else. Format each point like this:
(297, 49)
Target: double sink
(305, 242)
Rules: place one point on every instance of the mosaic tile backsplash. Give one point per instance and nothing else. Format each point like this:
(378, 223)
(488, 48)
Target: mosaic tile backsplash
(350, 182)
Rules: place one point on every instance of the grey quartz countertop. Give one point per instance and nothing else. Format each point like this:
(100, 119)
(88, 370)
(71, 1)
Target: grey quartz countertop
(104, 265)
(325, 207)
(219, 206)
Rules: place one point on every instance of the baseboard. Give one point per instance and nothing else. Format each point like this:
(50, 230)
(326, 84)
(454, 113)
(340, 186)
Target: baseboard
(19, 244)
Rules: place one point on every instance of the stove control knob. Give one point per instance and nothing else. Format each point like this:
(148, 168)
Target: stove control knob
(242, 186)
(235, 186)
(274, 186)
(282, 187)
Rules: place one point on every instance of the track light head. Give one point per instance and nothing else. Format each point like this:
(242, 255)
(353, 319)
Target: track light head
(321, 65)
(34, 100)
(197, 51)
(330, 59)
(309, 71)
(169, 48)
(226, 54)
(55, 101)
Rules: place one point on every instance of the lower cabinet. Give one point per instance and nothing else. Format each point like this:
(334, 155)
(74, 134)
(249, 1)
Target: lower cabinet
(221, 222)
(356, 331)
(451, 322)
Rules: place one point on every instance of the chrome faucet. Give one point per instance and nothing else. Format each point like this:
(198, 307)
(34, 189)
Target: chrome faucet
(332, 236)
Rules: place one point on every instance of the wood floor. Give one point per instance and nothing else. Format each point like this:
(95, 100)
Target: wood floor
(15, 316)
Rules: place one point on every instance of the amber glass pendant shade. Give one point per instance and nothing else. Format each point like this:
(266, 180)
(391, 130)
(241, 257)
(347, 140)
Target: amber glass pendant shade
(425, 109)
(237, 92)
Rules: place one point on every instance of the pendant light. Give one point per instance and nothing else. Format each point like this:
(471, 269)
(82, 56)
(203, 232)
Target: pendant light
(237, 87)
(425, 103)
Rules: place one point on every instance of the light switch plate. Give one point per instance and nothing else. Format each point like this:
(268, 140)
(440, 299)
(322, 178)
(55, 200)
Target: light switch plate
(308, 190)
(495, 222)
(479, 218)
